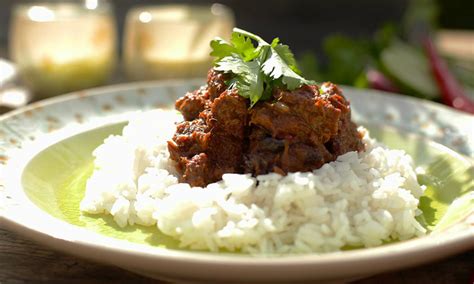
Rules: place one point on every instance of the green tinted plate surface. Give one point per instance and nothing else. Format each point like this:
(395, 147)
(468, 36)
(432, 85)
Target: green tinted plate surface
(55, 181)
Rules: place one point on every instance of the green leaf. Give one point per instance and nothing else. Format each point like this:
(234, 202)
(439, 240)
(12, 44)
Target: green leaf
(250, 86)
(409, 68)
(285, 53)
(255, 37)
(244, 46)
(275, 42)
(221, 48)
(276, 67)
(248, 78)
(273, 65)
(347, 58)
(234, 64)
(256, 70)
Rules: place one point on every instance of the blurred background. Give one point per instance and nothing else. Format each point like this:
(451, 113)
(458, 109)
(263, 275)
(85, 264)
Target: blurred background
(367, 43)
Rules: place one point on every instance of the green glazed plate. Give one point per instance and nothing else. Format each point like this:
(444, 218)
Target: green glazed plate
(45, 156)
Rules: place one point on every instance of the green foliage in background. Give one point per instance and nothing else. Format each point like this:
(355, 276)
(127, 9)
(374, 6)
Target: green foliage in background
(393, 50)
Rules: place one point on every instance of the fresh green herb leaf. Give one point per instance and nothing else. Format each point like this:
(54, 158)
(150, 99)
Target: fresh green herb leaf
(275, 42)
(221, 48)
(244, 46)
(234, 64)
(250, 35)
(247, 76)
(256, 70)
(285, 53)
(250, 84)
(280, 64)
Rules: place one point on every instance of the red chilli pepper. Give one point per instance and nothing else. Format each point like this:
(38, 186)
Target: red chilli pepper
(451, 91)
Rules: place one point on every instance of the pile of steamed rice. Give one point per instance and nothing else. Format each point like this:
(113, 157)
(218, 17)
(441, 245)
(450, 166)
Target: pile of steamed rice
(361, 199)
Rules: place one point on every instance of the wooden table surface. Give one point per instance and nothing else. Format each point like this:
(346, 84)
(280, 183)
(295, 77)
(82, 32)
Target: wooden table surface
(23, 261)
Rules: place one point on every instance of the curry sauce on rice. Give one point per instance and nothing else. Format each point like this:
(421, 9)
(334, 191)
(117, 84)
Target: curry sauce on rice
(260, 161)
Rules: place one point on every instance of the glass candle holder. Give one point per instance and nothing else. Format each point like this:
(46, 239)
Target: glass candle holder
(172, 41)
(62, 46)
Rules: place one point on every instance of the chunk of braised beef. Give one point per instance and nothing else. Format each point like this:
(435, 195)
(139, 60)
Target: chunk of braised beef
(216, 83)
(313, 128)
(214, 140)
(193, 103)
(190, 138)
(196, 170)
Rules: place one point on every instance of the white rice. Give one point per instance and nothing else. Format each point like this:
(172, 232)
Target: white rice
(361, 199)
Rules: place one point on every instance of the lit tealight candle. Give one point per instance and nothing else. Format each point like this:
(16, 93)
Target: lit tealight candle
(172, 41)
(61, 47)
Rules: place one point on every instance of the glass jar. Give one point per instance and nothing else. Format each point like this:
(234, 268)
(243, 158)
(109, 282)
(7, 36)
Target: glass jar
(62, 46)
(172, 41)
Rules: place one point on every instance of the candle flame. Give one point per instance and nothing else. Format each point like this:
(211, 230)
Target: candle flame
(145, 17)
(92, 4)
(41, 14)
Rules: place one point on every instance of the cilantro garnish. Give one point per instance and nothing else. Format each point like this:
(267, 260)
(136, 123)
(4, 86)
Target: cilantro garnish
(256, 69)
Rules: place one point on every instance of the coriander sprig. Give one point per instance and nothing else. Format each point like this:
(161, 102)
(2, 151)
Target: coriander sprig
(256, 69)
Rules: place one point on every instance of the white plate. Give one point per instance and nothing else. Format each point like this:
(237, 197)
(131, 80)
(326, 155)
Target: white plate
(26, 131)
